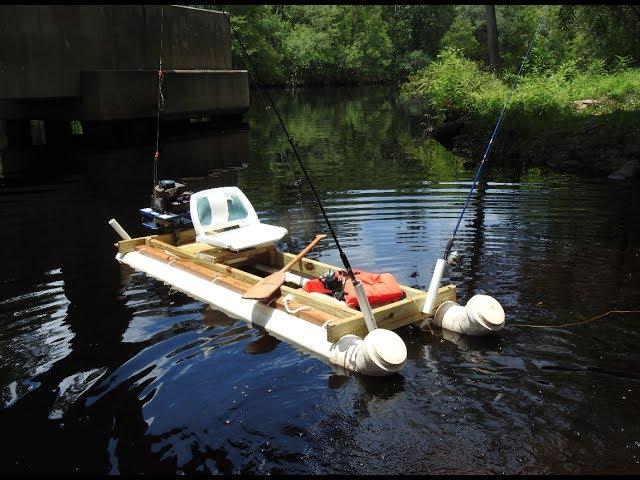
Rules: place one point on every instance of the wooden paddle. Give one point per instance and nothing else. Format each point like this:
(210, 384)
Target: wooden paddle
(268, 285)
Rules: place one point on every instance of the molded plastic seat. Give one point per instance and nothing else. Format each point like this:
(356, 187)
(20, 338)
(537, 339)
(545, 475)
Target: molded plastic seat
(224, 217)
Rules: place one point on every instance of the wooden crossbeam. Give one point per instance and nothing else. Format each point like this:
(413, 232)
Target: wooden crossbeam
(392, 316)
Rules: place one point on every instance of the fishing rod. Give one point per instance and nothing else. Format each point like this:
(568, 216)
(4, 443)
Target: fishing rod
(363, 301)
(156, 157)
(441, 262)
(343, 256)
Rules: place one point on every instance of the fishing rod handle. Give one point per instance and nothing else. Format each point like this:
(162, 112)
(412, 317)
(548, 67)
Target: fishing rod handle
(365, 306)
(433, 286)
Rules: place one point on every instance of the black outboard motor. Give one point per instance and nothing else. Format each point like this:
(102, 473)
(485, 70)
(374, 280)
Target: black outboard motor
(170, 197)
(169, 207)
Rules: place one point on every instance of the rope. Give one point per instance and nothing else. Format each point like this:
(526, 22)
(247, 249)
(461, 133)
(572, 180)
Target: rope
(156, 157)
(289, 298)
(176, 257)
(580, 322)
(253, 70)
(489, 146)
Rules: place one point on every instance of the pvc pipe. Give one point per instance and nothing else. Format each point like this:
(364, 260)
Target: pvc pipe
(365, 306)
(433, 287)
(482, 315)
(119, 230)
(380, 353)
(288, 276)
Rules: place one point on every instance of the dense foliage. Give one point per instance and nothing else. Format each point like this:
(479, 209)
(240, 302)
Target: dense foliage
(294, 44)
(454, 86)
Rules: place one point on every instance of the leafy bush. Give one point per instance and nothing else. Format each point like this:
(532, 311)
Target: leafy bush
(454, 86)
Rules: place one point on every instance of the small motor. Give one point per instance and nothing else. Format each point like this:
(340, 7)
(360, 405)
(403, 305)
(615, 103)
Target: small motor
(170, 197)
(331, 281)
(169, 207)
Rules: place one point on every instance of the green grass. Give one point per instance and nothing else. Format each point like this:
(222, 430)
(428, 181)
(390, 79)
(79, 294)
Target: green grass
(453, 86)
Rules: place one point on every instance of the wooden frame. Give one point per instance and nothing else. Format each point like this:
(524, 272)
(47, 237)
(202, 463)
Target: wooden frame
(218, 263)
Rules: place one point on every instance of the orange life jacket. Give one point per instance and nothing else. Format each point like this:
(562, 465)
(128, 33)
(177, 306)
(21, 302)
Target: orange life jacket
(380, 288)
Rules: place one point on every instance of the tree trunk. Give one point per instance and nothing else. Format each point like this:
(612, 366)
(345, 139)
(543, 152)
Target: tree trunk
(492, 36)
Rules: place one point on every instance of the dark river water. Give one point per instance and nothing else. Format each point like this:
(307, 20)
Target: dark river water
(103, 370)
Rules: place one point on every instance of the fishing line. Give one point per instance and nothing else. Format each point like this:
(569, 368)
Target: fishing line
(580, 322)
(156, 157)
(296, 182)
(441, 263)
(253, 70)
(489, 146)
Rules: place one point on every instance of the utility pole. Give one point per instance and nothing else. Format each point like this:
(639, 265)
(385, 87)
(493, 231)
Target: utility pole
(492, 36)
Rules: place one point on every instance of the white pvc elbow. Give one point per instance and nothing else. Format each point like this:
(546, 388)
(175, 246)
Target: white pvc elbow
(382, 352)
(480, 316)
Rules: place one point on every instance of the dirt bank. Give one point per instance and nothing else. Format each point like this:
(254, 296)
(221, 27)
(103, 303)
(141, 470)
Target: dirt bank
(602, 146)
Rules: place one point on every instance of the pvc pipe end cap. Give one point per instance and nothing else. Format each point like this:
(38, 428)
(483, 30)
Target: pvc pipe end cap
(387, 347)
(487, 310)
(442, 310)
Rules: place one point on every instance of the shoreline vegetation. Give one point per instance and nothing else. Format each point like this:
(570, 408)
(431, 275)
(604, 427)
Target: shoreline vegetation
(584, 69)
(453, 86)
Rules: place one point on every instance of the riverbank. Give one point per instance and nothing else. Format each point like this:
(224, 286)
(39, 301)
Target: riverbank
(574, 121)
(598, 146)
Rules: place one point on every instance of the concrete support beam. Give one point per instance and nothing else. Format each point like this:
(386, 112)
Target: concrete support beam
(43, 48)
(113, 95)
(99, 63)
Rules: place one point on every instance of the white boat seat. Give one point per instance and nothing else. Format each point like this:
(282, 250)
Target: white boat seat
(244, 237)
(224, 217)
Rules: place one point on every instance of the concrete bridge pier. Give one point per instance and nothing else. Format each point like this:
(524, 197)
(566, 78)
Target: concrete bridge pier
(98, 65)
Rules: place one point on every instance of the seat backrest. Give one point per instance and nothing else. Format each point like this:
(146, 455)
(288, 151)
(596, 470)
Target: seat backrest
(220, 208)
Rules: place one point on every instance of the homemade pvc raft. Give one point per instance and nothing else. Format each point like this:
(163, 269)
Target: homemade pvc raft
(314, 322)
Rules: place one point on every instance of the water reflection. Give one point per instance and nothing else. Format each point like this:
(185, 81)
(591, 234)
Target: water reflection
(137, 378)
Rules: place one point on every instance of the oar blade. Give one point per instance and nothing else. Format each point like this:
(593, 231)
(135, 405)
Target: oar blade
(265, 287)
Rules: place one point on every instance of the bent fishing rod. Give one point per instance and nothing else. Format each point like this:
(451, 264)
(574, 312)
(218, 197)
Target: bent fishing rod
(253, 74)
(363, 301)
(441, 262)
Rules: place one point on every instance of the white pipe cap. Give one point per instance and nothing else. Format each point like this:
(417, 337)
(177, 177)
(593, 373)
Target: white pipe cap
(386, 348)
(487, 311)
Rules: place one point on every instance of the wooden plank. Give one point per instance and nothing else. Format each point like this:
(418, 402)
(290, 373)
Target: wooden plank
(339, 310)
(305, 265)
(207, 253)
(312, 315)
(412, 292)
(197, 247)
(415, 304)
(336, 310)
(125, 246)
(218, 267)
(178, 237)
(225, 256)
(390, 316)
